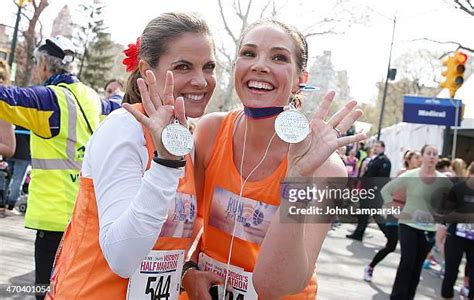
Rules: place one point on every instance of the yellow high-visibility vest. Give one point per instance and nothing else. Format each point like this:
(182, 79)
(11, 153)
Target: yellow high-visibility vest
(56, 161)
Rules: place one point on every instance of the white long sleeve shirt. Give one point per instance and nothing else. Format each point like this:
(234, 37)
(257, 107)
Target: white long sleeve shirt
(132, 201)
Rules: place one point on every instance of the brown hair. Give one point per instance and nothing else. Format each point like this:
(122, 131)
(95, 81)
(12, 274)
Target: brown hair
(408, 156)
(155, 40)
(118, 80)
(443, 163)
(297, 37)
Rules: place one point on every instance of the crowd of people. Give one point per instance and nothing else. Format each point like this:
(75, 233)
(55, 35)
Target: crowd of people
(123, 209)
(424, 227)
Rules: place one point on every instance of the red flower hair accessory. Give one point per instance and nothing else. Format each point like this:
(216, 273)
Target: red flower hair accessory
(132, 56)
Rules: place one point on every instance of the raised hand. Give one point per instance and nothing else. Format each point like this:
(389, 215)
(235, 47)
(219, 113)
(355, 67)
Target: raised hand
(324, 137)
(158, 112)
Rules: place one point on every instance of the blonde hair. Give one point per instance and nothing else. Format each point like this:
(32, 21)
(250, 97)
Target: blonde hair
(459, 167)
(4, 72)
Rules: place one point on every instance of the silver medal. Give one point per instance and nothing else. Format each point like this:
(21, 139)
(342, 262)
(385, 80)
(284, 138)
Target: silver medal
(177, 139)
(291, 126)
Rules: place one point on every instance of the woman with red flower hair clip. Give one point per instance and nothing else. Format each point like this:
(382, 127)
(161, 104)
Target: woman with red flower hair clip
(135, 218)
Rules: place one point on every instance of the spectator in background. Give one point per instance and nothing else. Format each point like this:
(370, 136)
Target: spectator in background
(361, 154)
(365, 161)
(62, 114)
(112, 87)
(417, 227)
(352, 164)
(18, 165)
(7, 139)
(113, 92)
(460, 237)
(377, 174)
(411, 160)
(7, 147)
(444, 166)
(458, 167)
(352, 168)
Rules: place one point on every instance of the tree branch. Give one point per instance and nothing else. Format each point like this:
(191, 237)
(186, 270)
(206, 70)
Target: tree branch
(244, 21)
(26, 16)
(265, 8)
(238, 8)
(222, 50)
(460, 46)
(461, 6)
(226, 26)
(310, 34)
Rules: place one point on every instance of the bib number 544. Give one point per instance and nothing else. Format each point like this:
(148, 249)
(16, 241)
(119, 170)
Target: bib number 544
(160, 290)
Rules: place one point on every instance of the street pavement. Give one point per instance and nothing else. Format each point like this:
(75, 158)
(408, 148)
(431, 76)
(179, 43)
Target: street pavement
(17, 261)
(340, 265)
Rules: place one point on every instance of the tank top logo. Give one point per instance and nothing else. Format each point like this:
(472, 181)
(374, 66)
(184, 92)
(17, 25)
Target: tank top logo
(181, 217)
(253, 217)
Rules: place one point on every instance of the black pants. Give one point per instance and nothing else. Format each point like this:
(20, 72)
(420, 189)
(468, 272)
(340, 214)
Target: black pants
(46, 244)
(415, 244)
(454, 248)
(391, 232)
(363, 221)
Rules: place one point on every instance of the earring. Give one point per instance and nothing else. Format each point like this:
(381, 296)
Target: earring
(293, 98)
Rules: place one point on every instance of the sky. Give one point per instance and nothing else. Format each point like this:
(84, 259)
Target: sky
(362, 50)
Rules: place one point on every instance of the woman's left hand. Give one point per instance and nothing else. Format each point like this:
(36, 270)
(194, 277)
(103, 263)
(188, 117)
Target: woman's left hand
(324, 137)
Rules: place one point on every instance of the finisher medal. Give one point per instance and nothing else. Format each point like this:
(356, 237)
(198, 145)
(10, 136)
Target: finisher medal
(177, 139)
(291, 126)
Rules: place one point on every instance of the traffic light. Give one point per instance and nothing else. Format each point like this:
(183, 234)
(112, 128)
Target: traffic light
(454, 67)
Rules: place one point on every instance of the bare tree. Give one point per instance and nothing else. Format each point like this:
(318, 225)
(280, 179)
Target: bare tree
(417, 71)
(30, 38)
(459, 46)
(421, 66)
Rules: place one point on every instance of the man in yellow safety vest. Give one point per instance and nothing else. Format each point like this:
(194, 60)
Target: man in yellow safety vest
(61, 114)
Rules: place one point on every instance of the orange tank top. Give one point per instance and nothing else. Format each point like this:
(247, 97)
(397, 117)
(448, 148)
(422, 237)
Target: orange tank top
(253, 213)
(80, 270)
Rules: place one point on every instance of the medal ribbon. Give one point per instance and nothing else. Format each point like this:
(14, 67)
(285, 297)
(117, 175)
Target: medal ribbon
(262, 112)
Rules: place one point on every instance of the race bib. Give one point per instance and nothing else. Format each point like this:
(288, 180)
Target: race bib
(423, 218)
(252, 217)
(158, 276)
(465, 230)
(181, 217)
(241, 281)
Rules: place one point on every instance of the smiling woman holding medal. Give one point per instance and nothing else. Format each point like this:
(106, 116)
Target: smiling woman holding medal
(241, 158)
(135, 217)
